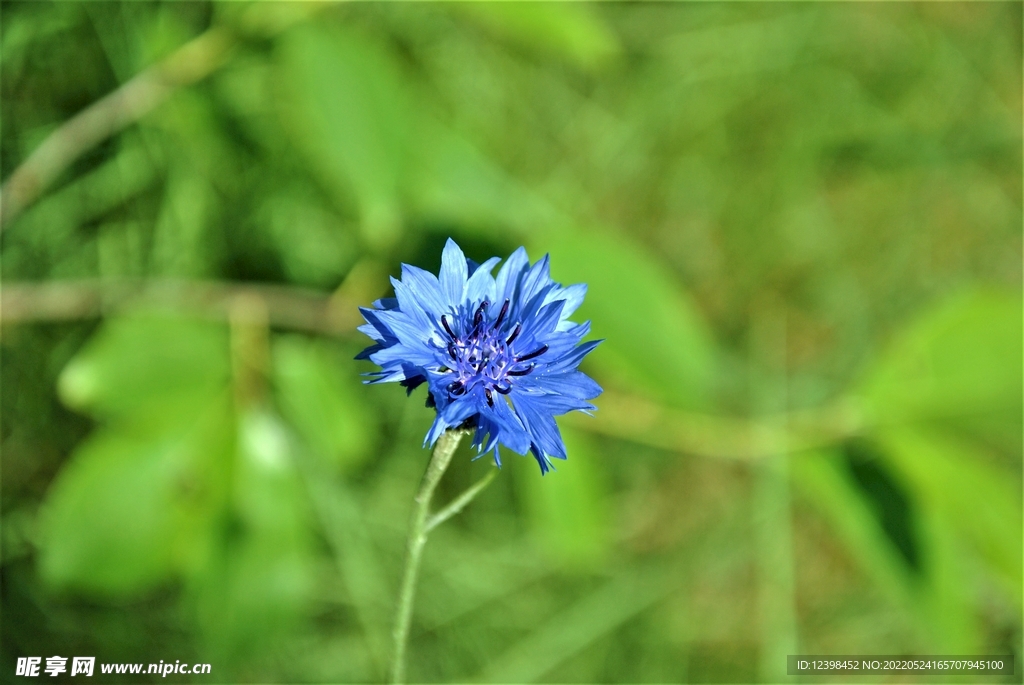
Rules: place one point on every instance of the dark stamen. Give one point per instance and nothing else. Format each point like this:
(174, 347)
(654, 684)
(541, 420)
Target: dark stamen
(515, 334)
(453, 351)
(520, 372)
(536, 353)
(479, 316)
(503, 390)
(456, 388)
(501, 314)
(444, 322)
(487, 394)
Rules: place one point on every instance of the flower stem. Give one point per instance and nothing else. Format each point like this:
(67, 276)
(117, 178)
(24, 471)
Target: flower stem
(460, 502)
(439, 460)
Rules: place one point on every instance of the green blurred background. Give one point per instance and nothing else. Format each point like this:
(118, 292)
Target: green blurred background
(801, 227)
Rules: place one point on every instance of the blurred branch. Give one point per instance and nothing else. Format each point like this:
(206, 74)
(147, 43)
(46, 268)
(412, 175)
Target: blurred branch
(646, 423)
(622, 416)
(114, 112)
(286, 306)
(109, 115)
(248, 321)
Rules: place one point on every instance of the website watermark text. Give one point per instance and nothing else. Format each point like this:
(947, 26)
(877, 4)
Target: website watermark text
(33, 667)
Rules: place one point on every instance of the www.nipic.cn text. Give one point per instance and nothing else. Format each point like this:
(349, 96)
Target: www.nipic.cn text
(33, 666)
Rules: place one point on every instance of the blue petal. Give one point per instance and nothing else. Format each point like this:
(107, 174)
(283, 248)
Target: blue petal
(507, 427)
(541, 425)
(535, 279)
(573, 296)
(480, 286)
(553, 405)
(422, 291)
(386, 303)
(537, 328)
(365, 354)
(509, 275)
(384, 334)
(403, 327)
(575, 384)
(454, 272)
(369, 330)
(572, 359)
(542, 459)
(452, 415)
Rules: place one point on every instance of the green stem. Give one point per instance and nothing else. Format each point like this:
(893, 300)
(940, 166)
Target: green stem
(439, 460)
(460, 502)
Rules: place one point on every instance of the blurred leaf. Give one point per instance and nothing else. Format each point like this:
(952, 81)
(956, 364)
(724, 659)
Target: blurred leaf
(570, 631)
(568, 510)
(178, 238)
(471, 575)
(267, 19)
(938, 597)
(456, 183)
(315, 246)
(571, 30)
(119, 249)
(345, 108)
(145, 364)
(129, 512)
(256, 587)
(825, 482)
(961, 359)
(947, 604)
(245, 86)
(21, 32)
(344, 521)
(655, 338)
(133, 505)
(742, 48)
(321, 402)
(966, 494)
(51, 224)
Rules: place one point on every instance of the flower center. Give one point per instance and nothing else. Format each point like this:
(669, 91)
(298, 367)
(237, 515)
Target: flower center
(483, 356)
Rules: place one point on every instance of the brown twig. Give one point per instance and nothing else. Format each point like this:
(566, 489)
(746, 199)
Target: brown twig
(287, 306)
(109, 115)
(623, 416)
(188, 64)
(722, 437)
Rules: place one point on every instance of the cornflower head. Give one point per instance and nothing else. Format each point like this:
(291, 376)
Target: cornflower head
(497, 353)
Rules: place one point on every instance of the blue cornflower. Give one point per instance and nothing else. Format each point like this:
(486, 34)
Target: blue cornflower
(497, 353)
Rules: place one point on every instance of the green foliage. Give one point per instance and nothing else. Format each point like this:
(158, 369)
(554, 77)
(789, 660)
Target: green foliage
(655, 337)
(181, 484)
(129, 513)
(569, 517)
(148, 365)
(926, 394)
(573, 32)
(258, 576)
(150, 481)
(962, 360)
(322, 403)
(969, 497)
(346, 110)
